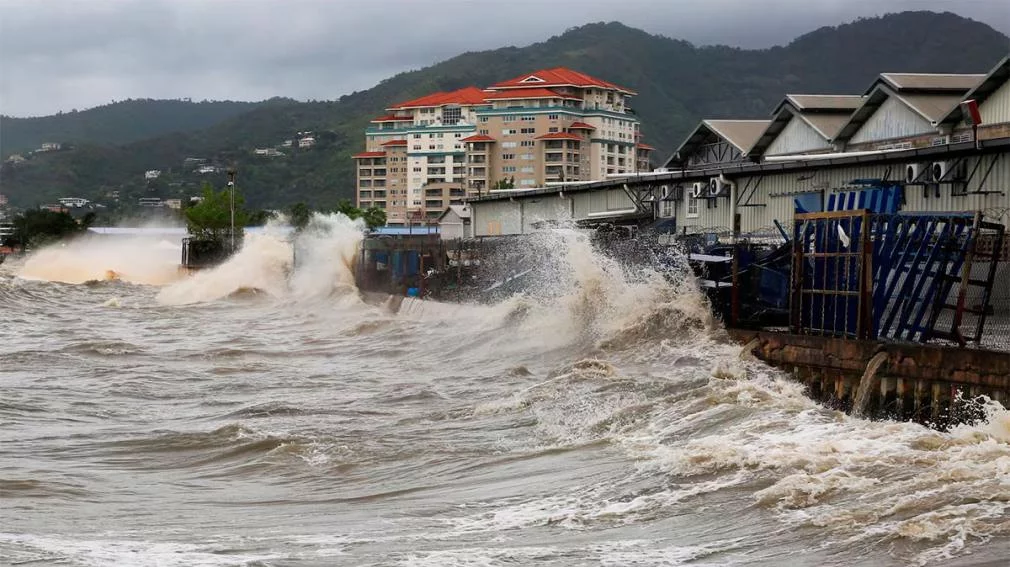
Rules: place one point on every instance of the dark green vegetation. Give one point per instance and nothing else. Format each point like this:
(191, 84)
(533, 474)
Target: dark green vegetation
(36, 227)
(677, 84)
(300, 214)
(116, 123)
(211, 217)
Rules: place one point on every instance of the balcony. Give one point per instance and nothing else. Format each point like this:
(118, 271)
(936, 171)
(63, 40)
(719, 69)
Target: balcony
(477, 159)
(457, 192)
(364, 172)
(433, 192)
(478, 172)
(378, 194)
(433, 204)
(364, 194)
(379, 172)
(436, 171)
(478, 146)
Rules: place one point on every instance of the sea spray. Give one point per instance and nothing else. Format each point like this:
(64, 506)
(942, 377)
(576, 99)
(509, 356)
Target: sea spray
(263, 263)
(138, 260)
(325, 256)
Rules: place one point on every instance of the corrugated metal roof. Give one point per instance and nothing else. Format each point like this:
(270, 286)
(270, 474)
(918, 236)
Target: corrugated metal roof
(827, 124)
(932, 107)
(740, 133)
(992, 82)
(825, 102)
(932, 81)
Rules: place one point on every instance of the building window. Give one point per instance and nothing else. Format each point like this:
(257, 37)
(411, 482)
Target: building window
(483, 118)
(692, 207)
(527, 169)
(508, 169)
(526, 156)
(451, 115)
(528, 182)
(509, 144)
(528, 143)
(552, 116)
(508, 156)
(552, 129)
(527, 130)
(417, 146)
(528, 118)
(508, 131)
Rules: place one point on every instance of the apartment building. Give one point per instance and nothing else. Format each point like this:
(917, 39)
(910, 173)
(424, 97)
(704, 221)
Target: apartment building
(553, 125)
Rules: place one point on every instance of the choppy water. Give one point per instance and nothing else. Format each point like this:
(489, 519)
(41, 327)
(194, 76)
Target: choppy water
(263, 415)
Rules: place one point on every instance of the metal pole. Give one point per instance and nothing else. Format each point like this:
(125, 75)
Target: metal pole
(231, 187)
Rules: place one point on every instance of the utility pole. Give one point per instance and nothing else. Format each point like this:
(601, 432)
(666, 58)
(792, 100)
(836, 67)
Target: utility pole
(231, 188)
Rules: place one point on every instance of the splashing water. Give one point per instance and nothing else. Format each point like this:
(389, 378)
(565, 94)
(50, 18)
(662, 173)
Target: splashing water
(597, 418)
(100, 258)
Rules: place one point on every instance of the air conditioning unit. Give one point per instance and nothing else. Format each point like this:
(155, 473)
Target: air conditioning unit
(698, 191)
(938, 170)
(715, 187)
(912, 172)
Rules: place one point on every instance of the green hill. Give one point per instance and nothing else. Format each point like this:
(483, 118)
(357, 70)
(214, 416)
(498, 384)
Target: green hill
(677, 84)
(115, 123)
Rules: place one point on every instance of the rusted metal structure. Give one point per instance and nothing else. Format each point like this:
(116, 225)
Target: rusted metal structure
(891, 315)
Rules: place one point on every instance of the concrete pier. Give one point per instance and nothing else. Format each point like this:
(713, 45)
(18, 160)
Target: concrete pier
(934, 385)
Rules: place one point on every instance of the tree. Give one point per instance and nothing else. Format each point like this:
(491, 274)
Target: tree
(39, 226)
(299, 215)
(373, 216)
(210, 219)
(505, 183)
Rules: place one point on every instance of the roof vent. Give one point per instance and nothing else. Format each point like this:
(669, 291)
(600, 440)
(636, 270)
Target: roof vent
(532, 79)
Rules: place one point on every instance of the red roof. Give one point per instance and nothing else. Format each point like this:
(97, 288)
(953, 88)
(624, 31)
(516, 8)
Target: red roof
(395, 143)
(464, 96)
(560, 136)
(369, 155)
(642, 146)
(528, 92)
(392, 118)
(581, 126)
(478, 138)
(557, 77)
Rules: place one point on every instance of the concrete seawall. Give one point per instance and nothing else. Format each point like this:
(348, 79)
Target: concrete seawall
(934, 385)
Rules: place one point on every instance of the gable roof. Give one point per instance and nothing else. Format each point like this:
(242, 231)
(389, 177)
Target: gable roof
(995, 79)
(478, 138)
(826, 114)
(467, 96)
(740, 133)
(560, 136)
(558, 77)
(462, 211)
(931, 106)
(527, 92)
(955, 82)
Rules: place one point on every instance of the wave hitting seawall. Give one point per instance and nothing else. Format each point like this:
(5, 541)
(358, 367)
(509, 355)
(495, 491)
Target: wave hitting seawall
(261, 414)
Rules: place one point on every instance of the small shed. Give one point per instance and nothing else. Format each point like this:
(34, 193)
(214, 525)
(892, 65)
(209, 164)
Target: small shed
(454, 223)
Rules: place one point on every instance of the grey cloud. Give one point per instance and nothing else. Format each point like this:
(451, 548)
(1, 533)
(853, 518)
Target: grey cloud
(57, 55)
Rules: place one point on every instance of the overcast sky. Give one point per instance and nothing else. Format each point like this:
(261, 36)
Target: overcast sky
(59, 54)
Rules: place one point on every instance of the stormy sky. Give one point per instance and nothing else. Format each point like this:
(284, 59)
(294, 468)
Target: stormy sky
(61, 54)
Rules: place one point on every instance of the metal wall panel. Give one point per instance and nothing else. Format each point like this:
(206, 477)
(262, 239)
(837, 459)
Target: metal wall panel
(545, 208)
(892, 120)
(797, 136)
(492, 218)
(996, 108)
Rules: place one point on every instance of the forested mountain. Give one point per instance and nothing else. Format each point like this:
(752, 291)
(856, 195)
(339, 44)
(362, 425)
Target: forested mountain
(677, 84)
(115, 123)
